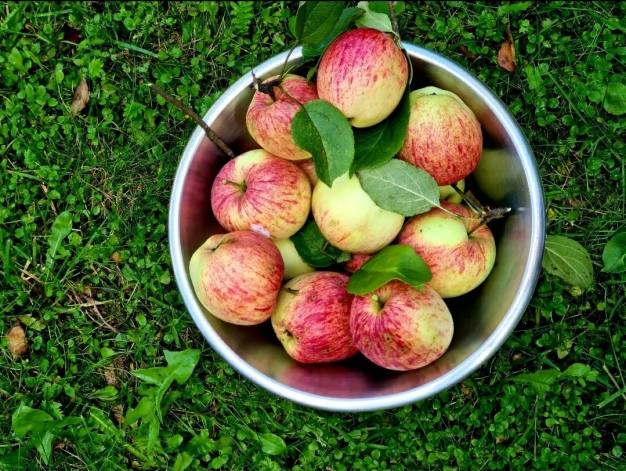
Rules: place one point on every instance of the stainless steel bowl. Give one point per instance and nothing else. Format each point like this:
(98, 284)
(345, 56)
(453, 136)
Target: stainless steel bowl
(507, 176)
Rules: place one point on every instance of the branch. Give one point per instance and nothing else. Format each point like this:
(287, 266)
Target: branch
(193, 115)
(394, 20)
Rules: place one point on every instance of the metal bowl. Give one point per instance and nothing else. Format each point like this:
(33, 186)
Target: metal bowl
(507, 176)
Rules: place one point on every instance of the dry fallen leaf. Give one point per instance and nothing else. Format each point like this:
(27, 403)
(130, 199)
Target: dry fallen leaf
(18, 345)
(467, 53)
(80, 99)
(109, 372)
(116, 257)
(506, 55)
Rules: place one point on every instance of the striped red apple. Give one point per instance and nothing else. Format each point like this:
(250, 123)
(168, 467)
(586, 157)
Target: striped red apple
(236, 276)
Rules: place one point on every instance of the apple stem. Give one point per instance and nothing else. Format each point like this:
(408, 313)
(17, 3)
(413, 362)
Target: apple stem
(267, 88)
(193, 115)
(241, 186)
(470, 200)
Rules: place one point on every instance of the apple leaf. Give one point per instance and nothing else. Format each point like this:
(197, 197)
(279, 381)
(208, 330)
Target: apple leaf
(614, 254)
(315, 21)
(541, 381)
(372, 19)
(400, 187)
(394, 262)
(615, 99)
(568, 260)
(314, 249)
(376, 145)
(321, 129)
(179, 367)
(347, 15)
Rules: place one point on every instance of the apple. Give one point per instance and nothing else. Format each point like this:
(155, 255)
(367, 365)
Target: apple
(459, 262)
(294, 265)
(261, 192)
(269, 120)
(450, 194)
(401, 328)
(350, 220)
(308, 167)
(363, 73)
(312, 318)
(356, 262)
(237, 276)
(444, 137)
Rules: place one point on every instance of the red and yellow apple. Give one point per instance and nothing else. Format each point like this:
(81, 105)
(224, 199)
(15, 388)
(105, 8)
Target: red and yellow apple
(459, 262)
(312, 318)
(269, 120)
(261, 192)
(401, 328)
(444, 137)
(237, 276)
(363, 73)
(350, 220)
(308, 167)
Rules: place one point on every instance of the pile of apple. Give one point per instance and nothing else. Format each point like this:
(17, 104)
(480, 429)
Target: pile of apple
(253, 272)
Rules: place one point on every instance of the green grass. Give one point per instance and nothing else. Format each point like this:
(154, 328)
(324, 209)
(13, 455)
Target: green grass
(106, 303)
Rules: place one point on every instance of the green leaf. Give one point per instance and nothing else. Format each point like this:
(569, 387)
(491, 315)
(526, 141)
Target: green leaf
(42, 427)
(145, 408)
(347, 15)
(201, 444)
(183, 460)
(514, 7)
(61, 228)
(533, 76)
(615, 99)
(400, 187)
(315, 21)
(106, 393)
(614, 254)
(153, 432)
(580, 370)
(383, 7)
(95, 67)
(372, 19)
(540, 381)
(272, 444)
(31, 322)
(314, 249)
(324, 131)
(568, 260)
(376, 145)
(394, 262)
(179, 369)
(26, 419)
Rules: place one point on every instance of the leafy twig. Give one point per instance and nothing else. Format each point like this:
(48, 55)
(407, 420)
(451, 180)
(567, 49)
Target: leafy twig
(193, 115)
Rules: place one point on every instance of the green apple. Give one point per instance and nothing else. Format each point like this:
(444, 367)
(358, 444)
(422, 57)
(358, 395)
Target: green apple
(447, 193)
(294, 265)
(350, 220)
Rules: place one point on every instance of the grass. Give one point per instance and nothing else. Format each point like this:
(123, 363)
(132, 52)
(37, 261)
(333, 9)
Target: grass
(103, 303)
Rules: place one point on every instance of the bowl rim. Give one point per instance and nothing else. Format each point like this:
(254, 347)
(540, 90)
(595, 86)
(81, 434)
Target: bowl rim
(486, 350)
